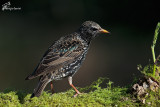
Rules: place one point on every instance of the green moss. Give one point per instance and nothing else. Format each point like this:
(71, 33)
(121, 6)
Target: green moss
(148, 71)
(9, 100)
(96, 97)
(152, 99)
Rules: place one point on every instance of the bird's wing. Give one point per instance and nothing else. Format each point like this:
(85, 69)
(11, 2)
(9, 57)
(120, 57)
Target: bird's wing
(58, 56)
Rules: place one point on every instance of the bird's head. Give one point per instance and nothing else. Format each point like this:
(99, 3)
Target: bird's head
(90, 29)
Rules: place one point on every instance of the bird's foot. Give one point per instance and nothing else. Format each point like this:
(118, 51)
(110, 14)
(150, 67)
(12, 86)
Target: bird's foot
(77, 94)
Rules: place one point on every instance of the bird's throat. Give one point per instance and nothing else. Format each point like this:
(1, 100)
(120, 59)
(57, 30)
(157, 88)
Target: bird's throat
(87, 37)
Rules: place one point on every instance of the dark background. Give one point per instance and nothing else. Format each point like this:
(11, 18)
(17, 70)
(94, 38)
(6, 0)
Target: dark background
(27, 33)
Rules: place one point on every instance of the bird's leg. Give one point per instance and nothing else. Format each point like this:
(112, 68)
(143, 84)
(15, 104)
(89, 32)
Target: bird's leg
(52, 87)
(70, 83)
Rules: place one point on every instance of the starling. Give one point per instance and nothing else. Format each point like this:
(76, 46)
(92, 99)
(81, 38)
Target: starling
(65, 56)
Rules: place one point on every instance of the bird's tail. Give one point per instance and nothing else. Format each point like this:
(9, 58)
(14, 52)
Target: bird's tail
(39, 89)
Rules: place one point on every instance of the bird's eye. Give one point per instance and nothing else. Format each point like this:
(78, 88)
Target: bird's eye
(94, 29)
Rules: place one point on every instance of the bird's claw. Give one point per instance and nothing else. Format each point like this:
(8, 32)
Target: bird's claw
(77, 94)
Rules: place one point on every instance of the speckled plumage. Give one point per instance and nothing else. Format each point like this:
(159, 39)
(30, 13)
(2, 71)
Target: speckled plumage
(65, 56)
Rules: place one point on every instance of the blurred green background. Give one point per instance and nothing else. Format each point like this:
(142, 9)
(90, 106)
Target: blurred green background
(27, 33)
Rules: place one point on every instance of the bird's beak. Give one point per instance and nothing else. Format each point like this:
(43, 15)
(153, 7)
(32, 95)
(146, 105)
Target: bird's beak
(104, 31)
